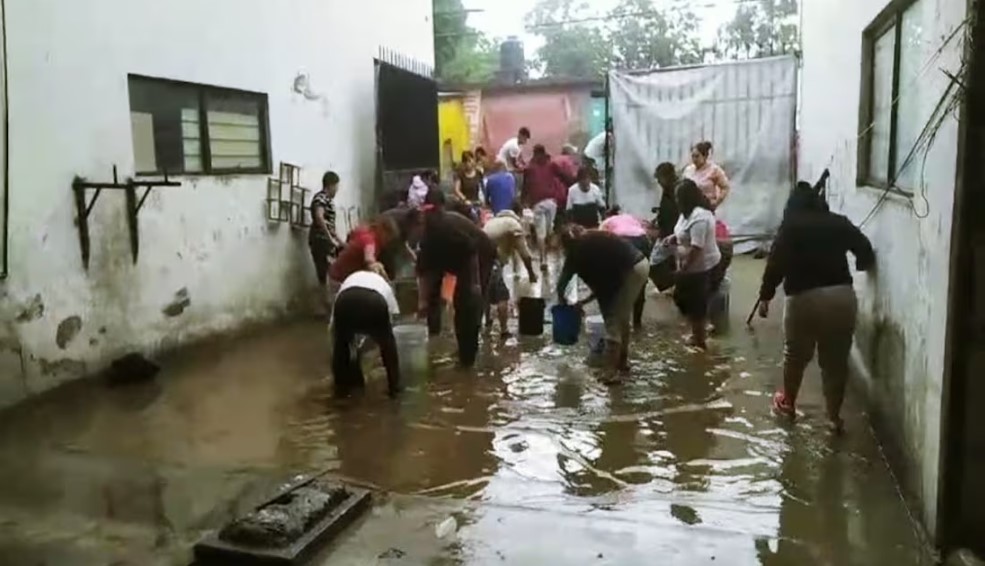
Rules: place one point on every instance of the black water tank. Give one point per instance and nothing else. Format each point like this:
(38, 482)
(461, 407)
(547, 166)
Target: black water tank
(512, 64)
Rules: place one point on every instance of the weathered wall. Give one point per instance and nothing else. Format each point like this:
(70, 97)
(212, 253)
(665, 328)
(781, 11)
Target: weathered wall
(555, 116)
(903, 304)
(207, 240)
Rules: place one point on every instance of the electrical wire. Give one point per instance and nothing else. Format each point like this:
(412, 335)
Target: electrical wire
(894, 105)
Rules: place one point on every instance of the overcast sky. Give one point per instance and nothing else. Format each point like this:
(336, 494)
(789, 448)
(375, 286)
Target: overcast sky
(502, 18)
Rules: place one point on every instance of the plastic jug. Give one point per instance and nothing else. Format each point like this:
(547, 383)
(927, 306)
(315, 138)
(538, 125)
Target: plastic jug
(566, 322)
(531, 316)
(595, 330)
(412, 351)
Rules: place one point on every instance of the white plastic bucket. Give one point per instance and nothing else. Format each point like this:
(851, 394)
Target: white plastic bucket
(595, 331)
(412, 351)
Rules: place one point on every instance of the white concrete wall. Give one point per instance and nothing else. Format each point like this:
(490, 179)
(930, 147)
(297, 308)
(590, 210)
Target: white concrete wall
(900, 343)
(68, 63)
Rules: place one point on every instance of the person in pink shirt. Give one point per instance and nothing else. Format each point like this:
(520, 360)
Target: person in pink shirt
(708, 175)
(631, 229)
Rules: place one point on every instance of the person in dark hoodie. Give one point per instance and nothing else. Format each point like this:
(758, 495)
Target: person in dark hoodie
(615, 273)
(809, 258)
(453, 244)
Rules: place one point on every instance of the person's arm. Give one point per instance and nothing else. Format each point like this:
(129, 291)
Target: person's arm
(860, 246)
(699, 234)
(571, 197)
(567, 272)
(724, 185)
(372, 263)
(599, 197)
(457, 191)
(524, 250)
(776, 266)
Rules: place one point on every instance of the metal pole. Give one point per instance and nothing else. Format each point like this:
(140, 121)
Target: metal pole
(605, 130)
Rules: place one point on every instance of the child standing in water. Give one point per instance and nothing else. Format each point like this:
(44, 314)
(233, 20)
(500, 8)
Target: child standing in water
(323, 240)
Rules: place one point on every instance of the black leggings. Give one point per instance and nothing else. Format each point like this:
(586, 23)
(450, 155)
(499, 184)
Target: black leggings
(362, 311)
(469, 308)
(641, 243)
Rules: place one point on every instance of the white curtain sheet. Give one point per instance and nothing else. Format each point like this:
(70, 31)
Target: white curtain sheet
(747, 110)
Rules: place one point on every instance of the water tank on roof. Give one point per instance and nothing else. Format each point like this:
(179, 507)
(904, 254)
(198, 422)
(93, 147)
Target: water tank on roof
(512, 64)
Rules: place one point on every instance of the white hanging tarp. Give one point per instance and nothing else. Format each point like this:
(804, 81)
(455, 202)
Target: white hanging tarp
(747, 110)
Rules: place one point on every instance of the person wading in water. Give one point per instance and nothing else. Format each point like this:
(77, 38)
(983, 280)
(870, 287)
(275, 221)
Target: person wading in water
(809, 258)
(452, 244)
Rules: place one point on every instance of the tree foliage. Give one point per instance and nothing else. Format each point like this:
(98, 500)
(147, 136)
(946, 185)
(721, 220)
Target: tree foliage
(635, 35)
(461, 54)
(647, 38)
(761, 29)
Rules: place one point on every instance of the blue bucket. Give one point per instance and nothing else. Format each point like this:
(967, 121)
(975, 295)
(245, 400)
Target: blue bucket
(566, 323)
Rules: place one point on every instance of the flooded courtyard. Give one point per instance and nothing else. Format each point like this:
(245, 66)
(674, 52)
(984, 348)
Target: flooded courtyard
(529, 459)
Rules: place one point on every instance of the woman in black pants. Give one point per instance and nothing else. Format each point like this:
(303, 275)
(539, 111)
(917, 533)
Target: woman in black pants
(365, 306)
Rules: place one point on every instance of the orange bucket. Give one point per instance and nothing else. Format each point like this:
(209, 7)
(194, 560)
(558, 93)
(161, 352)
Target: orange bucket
(448, 288)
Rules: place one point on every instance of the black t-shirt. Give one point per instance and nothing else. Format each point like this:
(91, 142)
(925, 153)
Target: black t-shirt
(325, 202)
(450, 242)
(603, 261)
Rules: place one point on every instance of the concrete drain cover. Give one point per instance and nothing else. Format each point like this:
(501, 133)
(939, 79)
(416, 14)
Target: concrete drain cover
(287, 529)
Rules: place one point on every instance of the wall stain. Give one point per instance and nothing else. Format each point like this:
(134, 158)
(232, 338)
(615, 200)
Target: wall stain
(33, 310)
(73, 367)
(177, 306)
(68, 329)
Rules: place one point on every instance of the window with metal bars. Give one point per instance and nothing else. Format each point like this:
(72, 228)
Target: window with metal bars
(193, 129)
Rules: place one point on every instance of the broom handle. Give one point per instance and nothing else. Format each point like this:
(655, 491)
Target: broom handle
(753, 313)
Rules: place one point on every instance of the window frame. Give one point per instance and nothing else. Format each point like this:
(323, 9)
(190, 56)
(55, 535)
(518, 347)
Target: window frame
(891, 18)
(202, 92)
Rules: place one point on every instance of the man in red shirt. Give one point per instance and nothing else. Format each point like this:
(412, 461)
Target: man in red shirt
(362, 249)
(566, 168)
(540, 191)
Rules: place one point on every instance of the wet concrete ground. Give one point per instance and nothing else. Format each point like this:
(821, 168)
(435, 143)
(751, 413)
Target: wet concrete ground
(535, 460)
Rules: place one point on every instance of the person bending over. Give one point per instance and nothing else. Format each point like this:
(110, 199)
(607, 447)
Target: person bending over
(453, 244)
(631, 229)
(614, 272)
(365, 306)
(507, 232)
(362, 249)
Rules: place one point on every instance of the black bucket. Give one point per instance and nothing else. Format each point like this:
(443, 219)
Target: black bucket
(531, 316)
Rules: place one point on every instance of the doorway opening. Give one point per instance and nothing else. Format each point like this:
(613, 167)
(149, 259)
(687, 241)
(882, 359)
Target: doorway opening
(961, 511)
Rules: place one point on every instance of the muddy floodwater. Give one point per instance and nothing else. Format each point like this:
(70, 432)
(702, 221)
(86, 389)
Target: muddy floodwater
(529, 459)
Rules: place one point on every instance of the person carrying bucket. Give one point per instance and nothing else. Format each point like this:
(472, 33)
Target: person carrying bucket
(507, 232)
(614, 272)
(364, 306)
(453, 244)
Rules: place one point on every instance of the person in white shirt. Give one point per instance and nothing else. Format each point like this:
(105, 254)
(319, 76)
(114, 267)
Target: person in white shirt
(595, 155)
(585, 201)
(512, 151)
(698, 255)
(365, 306)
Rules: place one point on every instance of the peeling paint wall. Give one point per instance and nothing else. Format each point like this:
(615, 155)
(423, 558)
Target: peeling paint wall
(903, 303)
(209, 261)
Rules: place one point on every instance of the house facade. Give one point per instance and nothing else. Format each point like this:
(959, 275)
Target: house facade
(216, 94)
(884, 108)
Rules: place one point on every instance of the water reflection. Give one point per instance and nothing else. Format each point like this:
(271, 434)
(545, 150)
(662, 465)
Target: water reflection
(528, 451)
